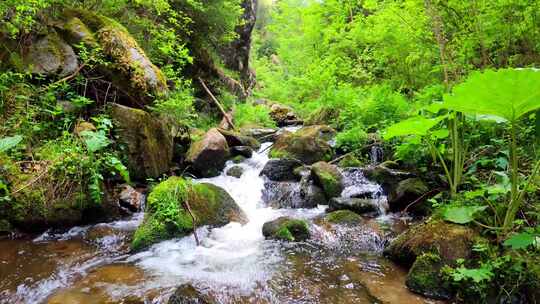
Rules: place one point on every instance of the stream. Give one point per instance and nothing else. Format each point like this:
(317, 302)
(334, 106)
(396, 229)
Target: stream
(234, 263)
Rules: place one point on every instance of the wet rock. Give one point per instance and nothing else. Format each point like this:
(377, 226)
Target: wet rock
(235, 139)
(309, 145)
(281, 169)
(167, 215)
(286, 229)
(425, 277)
(51, 55)
(238, 159)
(244, 151)
(132, 72)
(207, 156)
(187, 294)
(261, 134)
(311, 195)
(358, 205)
(328, 178)
(450, 241)
(343, 217)
(83, 126)
(131, 199)
(235, 171)
(283, 115)
(147, 139)
(406, 192)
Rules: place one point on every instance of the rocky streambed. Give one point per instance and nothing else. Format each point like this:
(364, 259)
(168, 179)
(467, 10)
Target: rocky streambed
(340, 262)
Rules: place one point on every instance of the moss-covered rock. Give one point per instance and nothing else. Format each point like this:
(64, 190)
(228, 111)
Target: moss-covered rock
(147, 139)
(309, 144)
(235, 171)
(406, 192)
(51, 55)
(283, 115)
(350, 161)
(235, 139)
(328, 178)
(425, 277)
(132, 72)
(364, 206)
(77, 32)
(286, 229)
(281, 170)
(208, 155)
(343, 217)
(450, 241)
(167, 215)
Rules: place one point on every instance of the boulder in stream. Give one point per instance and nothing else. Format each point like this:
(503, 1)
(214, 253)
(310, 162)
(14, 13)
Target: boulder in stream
(281, 169)
(235, 171)
(283, 115)
(286, 229)
(244, 151)
(364, 206)
(343, 217)
(207, 156)
(425, 277)
(168, 216)
(328, 178)
(309, 144)
(235, 139)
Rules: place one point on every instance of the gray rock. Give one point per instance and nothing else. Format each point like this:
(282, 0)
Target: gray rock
(358, 205)
(207, 156)
(244, 151)
(235, 171)
(281, 169)
(131, 199)
(187, 294)
(50, 55)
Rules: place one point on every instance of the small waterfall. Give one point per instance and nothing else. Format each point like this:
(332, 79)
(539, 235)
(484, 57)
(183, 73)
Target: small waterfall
(376, 155)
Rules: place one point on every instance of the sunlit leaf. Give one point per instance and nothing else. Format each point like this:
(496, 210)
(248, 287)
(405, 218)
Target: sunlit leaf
(418, 125)
(8, 143)
(520, 240)
(461, 214)
(94, 141)
(506, 93)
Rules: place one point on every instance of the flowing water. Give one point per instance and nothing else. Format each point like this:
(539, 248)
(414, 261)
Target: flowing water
(234, 264)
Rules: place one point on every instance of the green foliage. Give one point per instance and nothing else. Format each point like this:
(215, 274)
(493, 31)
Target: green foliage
(8, 143)
(530, 237)
(461, 214)
(246, 115)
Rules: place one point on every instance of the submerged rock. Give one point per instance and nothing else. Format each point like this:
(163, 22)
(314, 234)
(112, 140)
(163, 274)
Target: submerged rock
(235, 171)
(147, 139)
(286, 229)
(207, 156)
(309, 145)
(187, 294)
(425, 277)
(281, 169)
(328, 178)
(359, 205)
(167, 215)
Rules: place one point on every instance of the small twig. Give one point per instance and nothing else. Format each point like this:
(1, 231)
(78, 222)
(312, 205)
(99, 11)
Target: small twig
(69, 76)
(188, 207)
(217, 103)
(32, 181)
(420, 199)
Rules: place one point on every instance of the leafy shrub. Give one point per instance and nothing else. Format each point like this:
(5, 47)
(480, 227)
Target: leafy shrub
(246, 114)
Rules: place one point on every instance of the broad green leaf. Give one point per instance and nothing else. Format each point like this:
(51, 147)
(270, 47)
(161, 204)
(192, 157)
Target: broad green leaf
(94, 141)
(507, 93)
(418, 125)
(520, 240)
(440, 134)
(461, 214)
(8, 143)
(476, 274)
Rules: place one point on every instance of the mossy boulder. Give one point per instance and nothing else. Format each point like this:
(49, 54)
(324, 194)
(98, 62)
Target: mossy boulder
(309, 144)
(51, 55)
(132, 72)
(207, 156)
(450, 241)
(147, 139)
(235, 171)
(406, 192)
(77, 32)
(244, 151)
(167, 215)
(235, 139)
(187, 294)
(328, 178)
(364, 206)
(286, 229)
(350, 161)
(283, 115)
(425, 277)
(343, 217)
